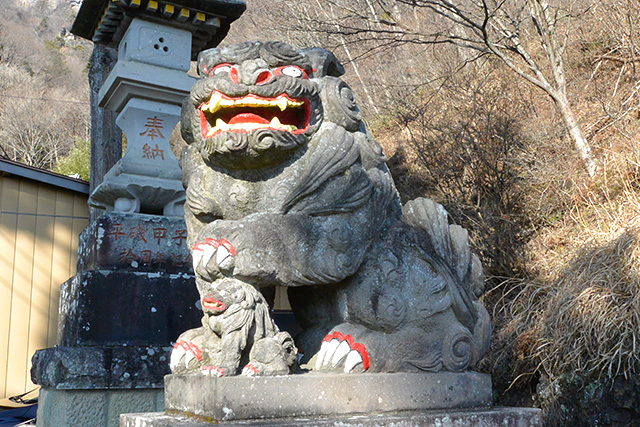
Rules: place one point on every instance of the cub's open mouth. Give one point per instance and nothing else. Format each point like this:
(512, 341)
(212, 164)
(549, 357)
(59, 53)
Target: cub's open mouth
(252, 112)
(213, 304)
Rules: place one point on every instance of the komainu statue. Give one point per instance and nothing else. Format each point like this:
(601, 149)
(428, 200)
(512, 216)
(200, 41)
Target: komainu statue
(286, 187)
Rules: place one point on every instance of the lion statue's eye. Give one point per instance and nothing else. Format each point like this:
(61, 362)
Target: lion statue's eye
(221, 68)
(292, 71)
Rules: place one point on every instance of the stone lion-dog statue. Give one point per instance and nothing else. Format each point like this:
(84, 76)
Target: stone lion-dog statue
(286, 187)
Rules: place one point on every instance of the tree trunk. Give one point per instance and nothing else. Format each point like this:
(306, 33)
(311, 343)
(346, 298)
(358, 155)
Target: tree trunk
(575, 131)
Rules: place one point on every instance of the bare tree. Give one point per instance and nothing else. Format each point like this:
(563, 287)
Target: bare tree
(38, 124)
(618, 55)
(529, 36)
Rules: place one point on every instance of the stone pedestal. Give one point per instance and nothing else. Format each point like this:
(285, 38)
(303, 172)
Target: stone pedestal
(133, 295)
(320, 394)
(94, 407)
(399, 399)
(494, 417)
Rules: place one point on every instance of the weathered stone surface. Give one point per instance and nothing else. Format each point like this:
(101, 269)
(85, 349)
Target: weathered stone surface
(133, 242)
(74, 368)
(496, 417)
(312, 394)
(106, 307)
(156, 44)
(147, 178)
(285, 186)
(93, 408)
(106, 137)
(146, 88)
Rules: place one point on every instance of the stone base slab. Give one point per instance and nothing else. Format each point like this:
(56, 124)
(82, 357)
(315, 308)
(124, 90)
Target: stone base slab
(78, 368)
(93, 408)
(495, 417)
(320, 394)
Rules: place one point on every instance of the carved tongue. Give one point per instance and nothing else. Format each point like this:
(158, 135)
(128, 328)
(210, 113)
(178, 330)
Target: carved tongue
(248, 118)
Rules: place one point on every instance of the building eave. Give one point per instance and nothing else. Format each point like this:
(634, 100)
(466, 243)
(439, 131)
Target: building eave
(43, 176)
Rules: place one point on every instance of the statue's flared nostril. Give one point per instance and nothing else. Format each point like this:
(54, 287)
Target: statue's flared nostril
(233, 73)
(264, 77)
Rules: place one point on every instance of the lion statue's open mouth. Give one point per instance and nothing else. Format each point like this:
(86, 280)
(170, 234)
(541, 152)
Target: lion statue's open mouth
(254, 108)
(249, 113)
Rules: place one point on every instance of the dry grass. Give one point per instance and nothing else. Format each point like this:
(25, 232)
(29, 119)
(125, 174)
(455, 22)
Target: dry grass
(581, 312)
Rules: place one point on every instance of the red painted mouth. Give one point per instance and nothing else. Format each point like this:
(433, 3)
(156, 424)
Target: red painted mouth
(213, 304)
(222, 113)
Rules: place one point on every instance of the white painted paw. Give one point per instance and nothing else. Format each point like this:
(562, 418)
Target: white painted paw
(213, 371)
(338, 350)
(250, 370)
(184, 352)
(203, 253)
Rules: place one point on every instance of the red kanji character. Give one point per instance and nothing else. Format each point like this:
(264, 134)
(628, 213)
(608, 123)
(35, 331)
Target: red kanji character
(146, 256)
(159, 233)
(159, 259)
(138, 232)
(117, 231)
(127, 256)
(180, 236)
(154, 126)
(177, 260)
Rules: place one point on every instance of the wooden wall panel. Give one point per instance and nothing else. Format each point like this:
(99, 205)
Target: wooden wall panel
(62, 255)
(39, 228)
(8, 230)
(22, 283)
(42, 284)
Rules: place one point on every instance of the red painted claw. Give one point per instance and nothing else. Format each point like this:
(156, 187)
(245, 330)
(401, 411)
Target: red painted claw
(338, 348)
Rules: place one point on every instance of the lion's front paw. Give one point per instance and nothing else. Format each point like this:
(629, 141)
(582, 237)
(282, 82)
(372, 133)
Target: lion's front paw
(191, 351)
(217, 371)
(186, 356)
(251, 370)
(342, 352)
(213, 257)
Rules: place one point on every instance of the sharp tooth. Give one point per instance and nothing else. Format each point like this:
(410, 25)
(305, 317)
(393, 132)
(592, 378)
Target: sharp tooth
(275, 123)
(214, 103)
(282, 103)
(220, 124)
(252, 101)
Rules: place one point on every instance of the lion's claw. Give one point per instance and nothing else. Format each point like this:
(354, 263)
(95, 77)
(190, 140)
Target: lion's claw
(338, 349)
(184, 352)
(203, 253)
(214, 371)
(250, 370)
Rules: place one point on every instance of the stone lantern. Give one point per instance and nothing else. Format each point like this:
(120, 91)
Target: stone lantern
(156, 42)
